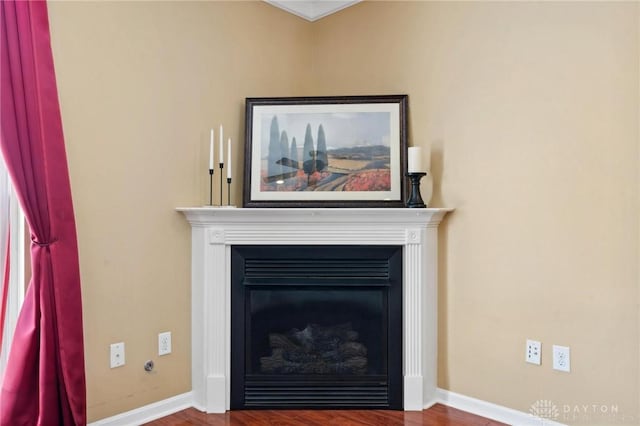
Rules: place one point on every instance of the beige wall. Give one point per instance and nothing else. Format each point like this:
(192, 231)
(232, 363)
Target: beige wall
(530, 111)
(140, 85)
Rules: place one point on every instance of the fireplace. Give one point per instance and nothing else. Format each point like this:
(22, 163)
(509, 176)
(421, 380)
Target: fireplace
(316, 327)
(216, 231)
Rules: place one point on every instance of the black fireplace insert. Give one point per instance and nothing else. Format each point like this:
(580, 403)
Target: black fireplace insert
(316, 327)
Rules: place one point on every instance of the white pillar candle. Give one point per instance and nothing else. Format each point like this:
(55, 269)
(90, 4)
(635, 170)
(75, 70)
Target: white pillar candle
(221, 154)
(415, 160)
(211, 151)
(229, 159)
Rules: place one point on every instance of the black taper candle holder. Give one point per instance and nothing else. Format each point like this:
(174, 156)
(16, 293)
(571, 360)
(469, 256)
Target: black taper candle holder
(228, 191)
(210, 187)
(221, 167)
(415, 199)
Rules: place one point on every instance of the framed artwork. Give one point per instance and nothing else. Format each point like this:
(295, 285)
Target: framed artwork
(326, 151)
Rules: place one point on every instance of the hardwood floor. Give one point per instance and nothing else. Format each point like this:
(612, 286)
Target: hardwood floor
(438, 415)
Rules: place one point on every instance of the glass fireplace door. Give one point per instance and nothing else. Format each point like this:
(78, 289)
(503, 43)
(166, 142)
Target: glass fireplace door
(316, 327)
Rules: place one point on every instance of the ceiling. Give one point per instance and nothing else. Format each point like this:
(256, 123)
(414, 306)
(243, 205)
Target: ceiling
(312, 10)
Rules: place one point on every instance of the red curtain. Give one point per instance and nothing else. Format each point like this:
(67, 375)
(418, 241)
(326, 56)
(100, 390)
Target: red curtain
(44, 383)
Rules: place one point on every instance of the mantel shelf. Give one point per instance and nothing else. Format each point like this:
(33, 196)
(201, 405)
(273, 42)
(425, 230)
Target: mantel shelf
(213, 215)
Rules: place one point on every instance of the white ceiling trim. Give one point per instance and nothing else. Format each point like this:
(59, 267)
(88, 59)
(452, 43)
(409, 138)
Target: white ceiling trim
(312, 10)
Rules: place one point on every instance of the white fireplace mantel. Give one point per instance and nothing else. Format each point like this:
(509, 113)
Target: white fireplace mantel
(216, 230)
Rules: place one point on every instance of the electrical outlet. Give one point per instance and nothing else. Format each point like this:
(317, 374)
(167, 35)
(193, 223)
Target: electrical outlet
(117, 355)
(562, 358)
(164, 343)
(532, 355)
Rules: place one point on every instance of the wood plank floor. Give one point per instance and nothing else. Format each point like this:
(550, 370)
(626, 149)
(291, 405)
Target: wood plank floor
(438, 415)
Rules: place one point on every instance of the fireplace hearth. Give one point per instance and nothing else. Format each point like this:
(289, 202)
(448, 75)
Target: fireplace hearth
(316, 327)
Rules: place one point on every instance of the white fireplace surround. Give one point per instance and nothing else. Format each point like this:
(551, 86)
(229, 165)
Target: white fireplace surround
(216, 230)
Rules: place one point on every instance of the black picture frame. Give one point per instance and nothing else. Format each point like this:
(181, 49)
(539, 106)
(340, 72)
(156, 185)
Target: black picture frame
(363, 162)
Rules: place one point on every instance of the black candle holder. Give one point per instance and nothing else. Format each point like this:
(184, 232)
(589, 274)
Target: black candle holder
(415, 199)
(228, 191)
(221, 167)
(210, 187)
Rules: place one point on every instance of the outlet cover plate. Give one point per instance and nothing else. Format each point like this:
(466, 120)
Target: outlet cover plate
(562, 358)
(532, 355)
(116, 355)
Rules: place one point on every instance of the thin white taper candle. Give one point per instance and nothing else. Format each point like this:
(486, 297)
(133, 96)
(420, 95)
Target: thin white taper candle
(221, 153)
(211, 151)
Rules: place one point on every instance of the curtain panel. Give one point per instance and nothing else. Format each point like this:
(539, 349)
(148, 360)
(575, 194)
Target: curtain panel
(44, 382)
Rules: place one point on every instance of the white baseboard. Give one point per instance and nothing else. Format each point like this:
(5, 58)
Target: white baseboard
(491, 411)
(149, 412)
(455, 400)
